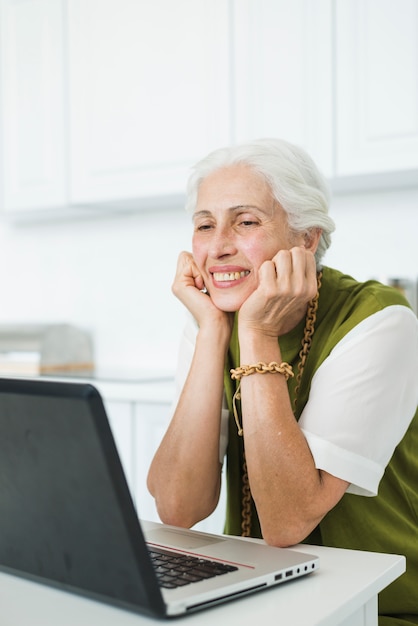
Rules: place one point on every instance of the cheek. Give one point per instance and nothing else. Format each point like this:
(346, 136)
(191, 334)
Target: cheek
(258, 251)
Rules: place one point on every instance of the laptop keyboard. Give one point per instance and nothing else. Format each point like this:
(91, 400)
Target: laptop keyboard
(176, 570)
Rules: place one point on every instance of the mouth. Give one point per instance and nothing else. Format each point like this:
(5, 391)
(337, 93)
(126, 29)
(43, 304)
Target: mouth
(223, 277)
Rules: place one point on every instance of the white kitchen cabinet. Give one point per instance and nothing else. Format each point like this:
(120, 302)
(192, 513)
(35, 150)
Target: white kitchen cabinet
(151, 421)
(121, 415)
(337, 77)
(109, 101)
(282, 78)
(149, 94)
(376, 88)
(32, 104)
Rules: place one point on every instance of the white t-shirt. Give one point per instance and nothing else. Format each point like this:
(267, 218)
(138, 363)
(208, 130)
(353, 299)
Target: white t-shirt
(362, 398)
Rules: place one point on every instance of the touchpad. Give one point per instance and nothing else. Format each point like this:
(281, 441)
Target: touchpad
(180, 539)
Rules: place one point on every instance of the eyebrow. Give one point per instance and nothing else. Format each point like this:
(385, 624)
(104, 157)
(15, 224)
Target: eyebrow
(232, 209)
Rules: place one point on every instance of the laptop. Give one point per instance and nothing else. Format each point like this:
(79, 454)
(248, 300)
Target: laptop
(67, 518)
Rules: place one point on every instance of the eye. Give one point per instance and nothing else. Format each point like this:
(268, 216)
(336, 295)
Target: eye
(247, 222)
(246, 219)
(203, 227)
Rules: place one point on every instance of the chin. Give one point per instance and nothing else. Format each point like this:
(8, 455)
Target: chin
(227, 304)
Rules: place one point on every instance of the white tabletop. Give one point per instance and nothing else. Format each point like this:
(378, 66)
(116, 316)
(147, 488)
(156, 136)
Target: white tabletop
(342, 592)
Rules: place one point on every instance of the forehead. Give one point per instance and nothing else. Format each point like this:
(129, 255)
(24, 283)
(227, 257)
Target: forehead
(234, 185)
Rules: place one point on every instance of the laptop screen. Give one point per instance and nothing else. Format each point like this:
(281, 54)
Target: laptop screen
(66, 514)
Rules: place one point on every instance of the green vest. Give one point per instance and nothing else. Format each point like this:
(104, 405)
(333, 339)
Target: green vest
(387, 522)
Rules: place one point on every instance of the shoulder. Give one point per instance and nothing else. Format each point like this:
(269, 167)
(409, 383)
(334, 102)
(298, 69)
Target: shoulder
(351, 293)
(349, 309)
(345, 302)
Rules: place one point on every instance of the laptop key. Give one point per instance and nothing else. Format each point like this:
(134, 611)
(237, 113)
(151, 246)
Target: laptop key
(174, 570)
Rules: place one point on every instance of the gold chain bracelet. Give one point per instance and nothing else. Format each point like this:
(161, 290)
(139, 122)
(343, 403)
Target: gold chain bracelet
(258, 368)
(262, 368)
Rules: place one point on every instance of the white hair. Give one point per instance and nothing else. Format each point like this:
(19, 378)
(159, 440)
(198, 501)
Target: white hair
(294, 179)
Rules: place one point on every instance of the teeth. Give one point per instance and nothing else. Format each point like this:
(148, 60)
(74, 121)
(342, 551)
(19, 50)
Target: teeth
(228, 276)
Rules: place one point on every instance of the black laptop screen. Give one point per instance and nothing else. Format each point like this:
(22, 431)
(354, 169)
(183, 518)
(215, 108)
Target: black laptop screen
(66, 515)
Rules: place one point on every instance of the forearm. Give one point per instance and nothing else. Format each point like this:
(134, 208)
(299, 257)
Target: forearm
(290, 494)
(184, 476)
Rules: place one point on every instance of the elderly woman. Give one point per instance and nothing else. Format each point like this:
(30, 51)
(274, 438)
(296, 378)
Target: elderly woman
(305, 378)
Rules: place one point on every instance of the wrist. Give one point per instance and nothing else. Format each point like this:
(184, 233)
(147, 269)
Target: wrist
(256, 346)
(215, 334)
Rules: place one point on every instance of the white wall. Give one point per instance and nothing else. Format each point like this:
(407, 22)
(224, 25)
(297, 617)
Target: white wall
(112, 275)
(375, 234)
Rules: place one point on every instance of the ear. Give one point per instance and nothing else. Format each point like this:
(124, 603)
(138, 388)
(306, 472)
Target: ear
(311, 239)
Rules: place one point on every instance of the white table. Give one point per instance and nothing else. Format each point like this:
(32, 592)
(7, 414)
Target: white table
(343, 592)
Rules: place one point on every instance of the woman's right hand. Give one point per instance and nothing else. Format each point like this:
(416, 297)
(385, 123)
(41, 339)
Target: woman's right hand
(187, 287)
(185, 474)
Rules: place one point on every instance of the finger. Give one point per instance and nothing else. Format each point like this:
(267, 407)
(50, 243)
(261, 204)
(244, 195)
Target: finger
(304, 271)
(302, 260)
(283, 263)
(187, 268)
(197, 275)
(310, 263)
(267, 271)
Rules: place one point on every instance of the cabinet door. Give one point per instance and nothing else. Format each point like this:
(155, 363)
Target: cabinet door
(151, 421)
(376, 86)
(149, 94)
(32, 91)
(282, 73)
(121, 419)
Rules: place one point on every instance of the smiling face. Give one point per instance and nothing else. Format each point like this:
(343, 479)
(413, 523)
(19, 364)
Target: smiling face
(237, 226)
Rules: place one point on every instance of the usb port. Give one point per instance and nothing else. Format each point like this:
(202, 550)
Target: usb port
(289, 573)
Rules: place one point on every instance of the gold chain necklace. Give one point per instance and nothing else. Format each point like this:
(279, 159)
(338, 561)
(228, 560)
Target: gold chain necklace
(308, 332)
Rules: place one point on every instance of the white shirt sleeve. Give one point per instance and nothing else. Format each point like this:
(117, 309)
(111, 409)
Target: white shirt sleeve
(185, 357)
(363, 398)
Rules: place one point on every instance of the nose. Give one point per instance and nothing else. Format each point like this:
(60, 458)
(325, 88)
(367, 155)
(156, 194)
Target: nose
(222, 243)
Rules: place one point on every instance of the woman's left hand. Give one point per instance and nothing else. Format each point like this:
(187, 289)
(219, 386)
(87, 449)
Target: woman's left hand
(286, 284)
